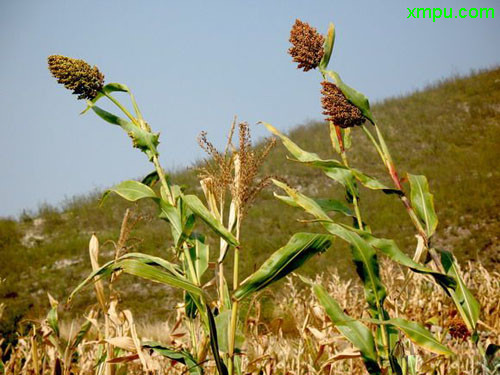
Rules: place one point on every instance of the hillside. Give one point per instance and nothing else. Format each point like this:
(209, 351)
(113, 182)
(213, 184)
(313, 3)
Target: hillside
(450, 132)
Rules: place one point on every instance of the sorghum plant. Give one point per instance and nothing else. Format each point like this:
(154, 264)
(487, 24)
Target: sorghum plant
(347, 109)
(235, 171)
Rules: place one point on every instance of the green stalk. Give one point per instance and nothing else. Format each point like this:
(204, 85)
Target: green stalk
(234, 309)
(385, 155)
(343, 154)
(140, 123)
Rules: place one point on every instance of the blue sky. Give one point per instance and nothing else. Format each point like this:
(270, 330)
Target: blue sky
(193, 65)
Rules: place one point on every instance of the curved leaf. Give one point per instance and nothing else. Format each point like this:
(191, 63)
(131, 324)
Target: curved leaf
(419, 335)
(131, 191)
(109, 88)
(355, 331)
(391, 249)
(214, 343)
(465, 302)
(334, 169)
(142, 139)
(328, 205)
(285, 260)
(141, 268)
(195, 204)
(423, 202)
(328, 47)
(181, 356)
(364, 255)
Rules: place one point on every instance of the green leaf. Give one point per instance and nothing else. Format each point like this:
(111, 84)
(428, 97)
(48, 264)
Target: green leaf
(423, 202)
(327, 205)
(141, 268)
(465, 302)
(131, 191)
(328, 47)
(84, 329)
(222, 322)
(111, 118)
(181, 356)
(174, 269)
(334, 169)
(355, 97)
(285, 260)
(151, 179)
(364, 255)
(109, 88)
(391, 249)
(142, 139)
(355, 331)
(171, 214)
(419, 335)
(372, 183)
(194, 203)
(214, 343)
(201, 257)
(53, 320)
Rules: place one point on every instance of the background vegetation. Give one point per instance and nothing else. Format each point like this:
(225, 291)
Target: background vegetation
(450, 132)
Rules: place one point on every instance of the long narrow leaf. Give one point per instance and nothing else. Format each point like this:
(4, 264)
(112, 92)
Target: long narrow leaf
(194, 203)
(465, 302)
(391, 249)
(423, 202)
(419, 335)
(328, 47)
(131, 191)
(214, 344)
(285, 260)
(140, 268)
(364, 255)
(327, 205)
(181, 356)
(355, 331)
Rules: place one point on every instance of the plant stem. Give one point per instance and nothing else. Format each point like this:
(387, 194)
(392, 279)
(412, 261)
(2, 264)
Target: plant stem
(343, 155)
(123, 109)
(385, 155)
(338, 132)
(234, 309)
(163, 180)
(140, 123)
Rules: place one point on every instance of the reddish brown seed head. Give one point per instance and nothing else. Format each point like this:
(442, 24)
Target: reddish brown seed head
(338, 109)
(307, 45)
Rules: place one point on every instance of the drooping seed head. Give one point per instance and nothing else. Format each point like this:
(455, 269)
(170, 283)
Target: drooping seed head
(307, 45)
(458, 329)
(338, 109)
(76, 75)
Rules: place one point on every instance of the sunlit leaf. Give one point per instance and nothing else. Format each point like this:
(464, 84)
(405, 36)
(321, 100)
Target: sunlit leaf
(285, 260)
(465, 302)
(141, 268)
(195, 204)
(353, 330)
(423, 202)
(214, 343)
(328, 47)
(419, 335)
(131, 191)
(180, 356)
(364, 256)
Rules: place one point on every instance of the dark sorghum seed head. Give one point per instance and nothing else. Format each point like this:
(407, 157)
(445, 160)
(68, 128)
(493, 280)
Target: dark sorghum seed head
(76, 75)
(307, 45)
(338, 109)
